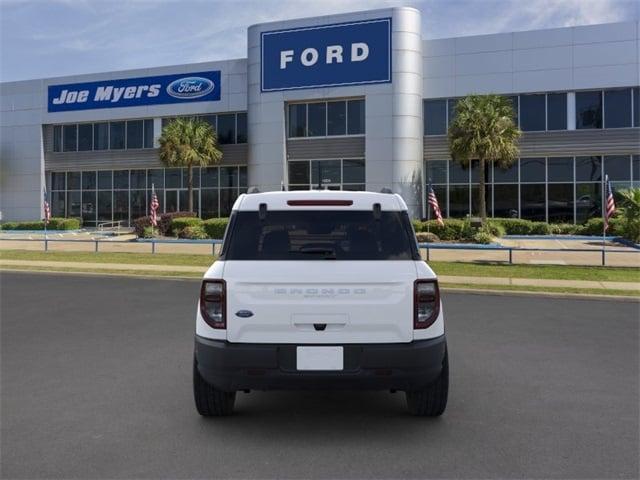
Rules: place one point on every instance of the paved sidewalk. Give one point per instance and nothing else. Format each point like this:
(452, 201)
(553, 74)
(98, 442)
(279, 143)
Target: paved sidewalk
(528, 282)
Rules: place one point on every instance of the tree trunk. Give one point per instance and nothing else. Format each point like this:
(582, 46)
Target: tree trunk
(483, 200)
(190, 186)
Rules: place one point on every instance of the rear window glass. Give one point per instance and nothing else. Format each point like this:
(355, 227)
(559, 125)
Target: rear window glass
(320, 235)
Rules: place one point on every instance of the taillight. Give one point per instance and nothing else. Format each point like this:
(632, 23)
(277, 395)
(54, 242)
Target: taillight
(213, 302)
(426, 303)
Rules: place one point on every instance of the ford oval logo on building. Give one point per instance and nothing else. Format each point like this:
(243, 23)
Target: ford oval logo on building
(190, 87)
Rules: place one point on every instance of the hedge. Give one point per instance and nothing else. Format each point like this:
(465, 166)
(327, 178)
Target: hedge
(55, 223)
(519, 226)
(140, 225)
(193, 232)
(215, 227)
(164, 225)
(178, 224)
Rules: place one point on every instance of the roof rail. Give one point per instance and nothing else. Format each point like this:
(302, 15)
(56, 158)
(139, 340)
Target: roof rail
(386, 190)
(254, 190)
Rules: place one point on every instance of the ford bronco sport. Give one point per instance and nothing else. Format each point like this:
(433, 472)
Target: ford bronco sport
(320, 290)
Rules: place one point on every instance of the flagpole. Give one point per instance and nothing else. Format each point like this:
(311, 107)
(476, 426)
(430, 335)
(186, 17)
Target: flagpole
(603, 204)
(45, 218)
(429, 187)
(153, 192)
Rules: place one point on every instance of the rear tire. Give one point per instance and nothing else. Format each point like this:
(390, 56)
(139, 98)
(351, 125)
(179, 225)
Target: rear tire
(211, 402)
(432, 401)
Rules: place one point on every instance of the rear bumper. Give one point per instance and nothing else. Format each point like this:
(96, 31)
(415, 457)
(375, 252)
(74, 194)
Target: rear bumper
(396, 366)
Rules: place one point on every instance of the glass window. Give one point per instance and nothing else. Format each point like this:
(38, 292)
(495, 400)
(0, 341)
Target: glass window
(116, 135)
(105, 181)
(227, 128)
(441, 195)
(475, 172)
(138, 179)
(89, 180)
(353, 187)
(501, 175)
(88, 207)
(532, 202)
(556, 111)
(229, 177)
(210, 179)
(243, 177)
(121, 179)
(458, 174)
(532, 170)
(299, 173)
(209, 198)
(105, 206)
(475, 199)
(173, 178)
(58, 181)
(452, 103)
(532, 112)
(337, 118)
(636, 107)
(589, 109)
(73, 181)
(588, 169)
(617, 108)
(242, 127)
(101, 136)
(148, 133)
(85, 137)
(70, 140)
(325, 172)
(58, 200)
(184, 201)
(435, 117)
(135, 133)
(155, 178)
(560, 202)
(210, 119)
(588, 201)
(514, 104)
(560, 169)
(458, 201)
(57, 138)
(317, 118)
(228, 197)
(312, 235)
(298, 120)
(353, 171)
(505, 201)
(74, 204)
(635, 165)
(138, 204)
(436, 171)
(355, 117)
(196, 177)
(171, 201)
(618, 167)
(121, 205)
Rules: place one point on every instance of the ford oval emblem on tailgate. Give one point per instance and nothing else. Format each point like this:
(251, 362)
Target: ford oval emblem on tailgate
(244, 313)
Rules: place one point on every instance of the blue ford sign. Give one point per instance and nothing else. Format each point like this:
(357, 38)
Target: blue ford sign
(353, 53)
(135, 92)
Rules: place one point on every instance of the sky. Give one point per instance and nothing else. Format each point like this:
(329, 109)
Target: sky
(51, 38)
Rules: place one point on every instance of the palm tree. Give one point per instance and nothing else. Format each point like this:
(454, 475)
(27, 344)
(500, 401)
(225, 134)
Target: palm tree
(187, 142)
(630, 212)
(484, 129)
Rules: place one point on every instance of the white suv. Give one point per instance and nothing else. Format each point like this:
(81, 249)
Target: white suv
(320, 290)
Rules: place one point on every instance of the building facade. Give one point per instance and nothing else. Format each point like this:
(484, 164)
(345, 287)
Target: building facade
(352, 101)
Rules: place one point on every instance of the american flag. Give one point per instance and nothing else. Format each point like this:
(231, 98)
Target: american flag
(47, 209)
(433, 201)
(154, 207)
(609, 203)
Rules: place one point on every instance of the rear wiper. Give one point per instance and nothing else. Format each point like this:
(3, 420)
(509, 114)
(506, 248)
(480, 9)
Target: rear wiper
(329, 254)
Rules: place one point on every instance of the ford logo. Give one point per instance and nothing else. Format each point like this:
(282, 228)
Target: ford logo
(190, 87)
(244, 313)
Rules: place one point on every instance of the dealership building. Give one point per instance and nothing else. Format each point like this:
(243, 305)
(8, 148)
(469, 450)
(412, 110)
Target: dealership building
(352, 101)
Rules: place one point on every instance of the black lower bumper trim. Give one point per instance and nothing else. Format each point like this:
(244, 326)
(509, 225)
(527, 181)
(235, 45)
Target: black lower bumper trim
(395, 366)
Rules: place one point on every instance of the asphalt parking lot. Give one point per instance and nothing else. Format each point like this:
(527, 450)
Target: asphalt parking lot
(96, 383)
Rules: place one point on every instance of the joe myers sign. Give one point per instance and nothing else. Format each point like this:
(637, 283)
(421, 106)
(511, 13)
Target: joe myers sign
(351, 53)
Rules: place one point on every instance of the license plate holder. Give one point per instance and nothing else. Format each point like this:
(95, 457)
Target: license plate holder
(320, 358)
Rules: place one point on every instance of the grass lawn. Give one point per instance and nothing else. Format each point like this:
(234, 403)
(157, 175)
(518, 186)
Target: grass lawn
(556, 272)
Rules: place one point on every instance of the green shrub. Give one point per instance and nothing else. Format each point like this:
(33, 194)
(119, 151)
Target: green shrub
(482, 237)
(178, 224)
(139, 225)
(215, 227)
(58, 223)
(427, 237)
(8, 225)
(193, 232)
(564, 228)
(451, 230)
(31, 225)
(417, 225)
(164, 224)
(494, 229)
(594, 226)
(147, 232)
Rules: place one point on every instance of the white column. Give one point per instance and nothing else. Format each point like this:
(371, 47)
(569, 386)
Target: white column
(571, 110)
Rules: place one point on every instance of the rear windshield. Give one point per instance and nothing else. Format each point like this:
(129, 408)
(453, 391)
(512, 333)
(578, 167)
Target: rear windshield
(320, 235)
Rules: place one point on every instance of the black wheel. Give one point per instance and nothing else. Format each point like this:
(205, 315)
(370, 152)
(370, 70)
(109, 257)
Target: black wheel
(432, 401)
(211, 402)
